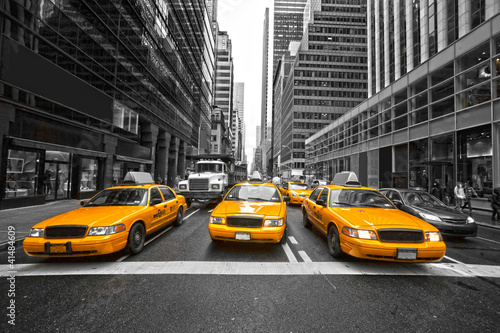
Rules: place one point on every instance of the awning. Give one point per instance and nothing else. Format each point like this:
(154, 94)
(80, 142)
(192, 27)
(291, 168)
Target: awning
(52, 146)
(132, 159)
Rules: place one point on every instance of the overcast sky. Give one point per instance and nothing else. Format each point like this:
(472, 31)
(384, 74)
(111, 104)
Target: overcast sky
(244, 21)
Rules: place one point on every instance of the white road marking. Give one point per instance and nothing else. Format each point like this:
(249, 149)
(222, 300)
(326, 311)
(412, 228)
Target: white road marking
(155, 237)
(489, 240)
(455, 261)
(196, 211)
(293, 240)
(304, 256)
(251, 268)
(289, 253)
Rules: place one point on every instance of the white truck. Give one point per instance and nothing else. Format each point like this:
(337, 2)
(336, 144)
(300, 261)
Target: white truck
(208, 183)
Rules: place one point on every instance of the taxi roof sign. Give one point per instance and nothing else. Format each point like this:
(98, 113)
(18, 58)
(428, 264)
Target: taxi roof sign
(256, 177)
(346, 178)
(137, 178)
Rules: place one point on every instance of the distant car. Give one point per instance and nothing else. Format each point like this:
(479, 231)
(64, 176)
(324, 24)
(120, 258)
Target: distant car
(430, 209)
(253, 211)
(116, 218)
(363, 223)
(317, 182)
(297, 191)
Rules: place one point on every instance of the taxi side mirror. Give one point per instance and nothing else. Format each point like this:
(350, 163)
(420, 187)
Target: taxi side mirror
(286, 198)
(320, 202)
(83, 202)
(397, 203)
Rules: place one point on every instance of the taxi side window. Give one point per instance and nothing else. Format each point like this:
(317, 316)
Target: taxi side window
(324, 195)
(315, 194)
(167, 193)
(394, 196)
(155, 197)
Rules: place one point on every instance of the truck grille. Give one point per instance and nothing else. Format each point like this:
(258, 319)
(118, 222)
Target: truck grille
(66, 231)
(401, 235)
(198, 184)
(246, 222)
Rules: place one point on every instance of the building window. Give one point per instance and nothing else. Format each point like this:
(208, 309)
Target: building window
(124, 117)
(477, 12)
(418, 162)
(88, 179)
(441, 173)
(22, 174)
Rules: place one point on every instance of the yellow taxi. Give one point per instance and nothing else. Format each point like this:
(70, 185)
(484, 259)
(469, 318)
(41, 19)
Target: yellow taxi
(297, 191)
(363, 223)
(116, 218)
(253, 211)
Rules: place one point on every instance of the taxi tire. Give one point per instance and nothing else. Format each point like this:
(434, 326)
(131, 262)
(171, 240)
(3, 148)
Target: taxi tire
(305, 220)
(136, 239)
(180, 218)
(334, 242)
(283, 238)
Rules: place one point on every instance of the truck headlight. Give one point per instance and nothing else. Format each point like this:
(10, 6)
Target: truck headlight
(215, 186)
(182, 187)
(217, 220)
(109, 230)
(36, 232)
(273, 223)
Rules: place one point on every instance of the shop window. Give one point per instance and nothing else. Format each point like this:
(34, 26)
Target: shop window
(400, 167)
(89, 174)
(22, 173)
(418, 162)
(441, 166)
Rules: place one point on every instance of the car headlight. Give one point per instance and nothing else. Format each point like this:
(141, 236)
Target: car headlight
(183, 187)
(433, 236)
(273, 223)
(36, 232)
(109, 230)
(430, 217)
(362, 234)
(215, 186)
(470, 219)
(217, 220)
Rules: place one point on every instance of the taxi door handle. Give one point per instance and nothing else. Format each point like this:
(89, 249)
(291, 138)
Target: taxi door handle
(165, 206)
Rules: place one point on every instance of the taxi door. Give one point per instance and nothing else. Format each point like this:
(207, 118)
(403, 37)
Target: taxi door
(171, 203)
(321, 212)
(158, 208)
(310, 204)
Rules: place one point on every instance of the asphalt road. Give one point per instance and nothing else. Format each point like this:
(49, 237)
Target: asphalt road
(182, 282)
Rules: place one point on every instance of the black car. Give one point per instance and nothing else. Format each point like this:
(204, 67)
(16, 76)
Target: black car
(423, 205)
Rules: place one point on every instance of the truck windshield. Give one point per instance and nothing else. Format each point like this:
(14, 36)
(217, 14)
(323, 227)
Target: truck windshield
(209, 167)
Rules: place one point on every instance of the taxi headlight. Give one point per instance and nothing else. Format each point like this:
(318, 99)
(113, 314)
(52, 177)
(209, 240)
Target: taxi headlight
(470, 219)
(215, 186)
(36, 232)
(217, 220)
(430, 217)
(109, 230)
(183, 187)
(273, 223)
(293, 194)
(434, 236)
(362, 234)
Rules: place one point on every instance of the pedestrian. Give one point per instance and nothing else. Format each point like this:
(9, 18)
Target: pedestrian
(435, 191)
(459, 196)
(495, 204)
(469, 194)
(446, 196)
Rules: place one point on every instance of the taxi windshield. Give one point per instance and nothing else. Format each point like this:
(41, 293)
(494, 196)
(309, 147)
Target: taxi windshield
(252, 192)
(358, 198)
(119, 197)
(299, 186)
(422, 199)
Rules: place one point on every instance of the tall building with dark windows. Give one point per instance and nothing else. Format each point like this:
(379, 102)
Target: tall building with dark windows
(328, 76)
(92, 89)
(432, 119)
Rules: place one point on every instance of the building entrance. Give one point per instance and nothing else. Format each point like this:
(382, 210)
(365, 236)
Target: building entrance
(56, 179)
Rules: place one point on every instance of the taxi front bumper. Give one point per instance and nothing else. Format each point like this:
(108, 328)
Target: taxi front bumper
(75, 247)
(385, 251)
(261, 235)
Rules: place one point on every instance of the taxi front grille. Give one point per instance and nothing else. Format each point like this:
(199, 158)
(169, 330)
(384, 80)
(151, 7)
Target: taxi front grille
(198, 184)
(401, 236)
(66, 231)
(245, 222)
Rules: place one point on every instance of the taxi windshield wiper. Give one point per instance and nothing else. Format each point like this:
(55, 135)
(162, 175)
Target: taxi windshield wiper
(344, 204)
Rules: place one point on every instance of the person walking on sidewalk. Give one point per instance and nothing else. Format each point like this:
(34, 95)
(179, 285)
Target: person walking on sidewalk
(495, 204)
(459, 196)
(469, 193)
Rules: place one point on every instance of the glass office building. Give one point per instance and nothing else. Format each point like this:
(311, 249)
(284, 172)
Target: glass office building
(92, 89)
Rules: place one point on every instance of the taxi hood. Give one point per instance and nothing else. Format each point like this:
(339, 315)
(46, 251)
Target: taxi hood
(249, 208)
(93, 216)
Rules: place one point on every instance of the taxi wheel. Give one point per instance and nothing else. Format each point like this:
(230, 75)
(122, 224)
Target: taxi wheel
(136, 238)
(305, 220)
(283, 239)
(180, 218)
(334, 242)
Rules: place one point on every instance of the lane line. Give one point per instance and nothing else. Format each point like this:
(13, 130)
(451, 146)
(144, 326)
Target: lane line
(196, 211)
(289, 253)
(455, 261)
(489, 240)
(293, 240)
(250, 268)
(155, 237)
(304, 256)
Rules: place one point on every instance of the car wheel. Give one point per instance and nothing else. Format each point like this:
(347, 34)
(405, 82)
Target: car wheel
(283, 238)
(334, 242)
(305, 220)
(136, 239)
(180, 217)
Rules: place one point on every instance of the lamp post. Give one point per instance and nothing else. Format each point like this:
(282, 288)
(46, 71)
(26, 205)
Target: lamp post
(291, 158)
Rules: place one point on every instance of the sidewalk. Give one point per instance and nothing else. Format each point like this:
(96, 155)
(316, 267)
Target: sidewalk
(22, 219)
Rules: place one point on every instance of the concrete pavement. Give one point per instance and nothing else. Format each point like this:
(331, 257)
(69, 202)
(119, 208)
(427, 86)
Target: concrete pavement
(22, 219)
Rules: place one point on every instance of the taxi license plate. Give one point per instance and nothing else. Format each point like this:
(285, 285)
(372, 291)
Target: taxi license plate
(406, 254)
(58, 248)
(243, 236)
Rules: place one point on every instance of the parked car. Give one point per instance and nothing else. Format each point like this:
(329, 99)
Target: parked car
(297, 191)
(363, 223)
(430, 209)
(253, 211)
(116, 218)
